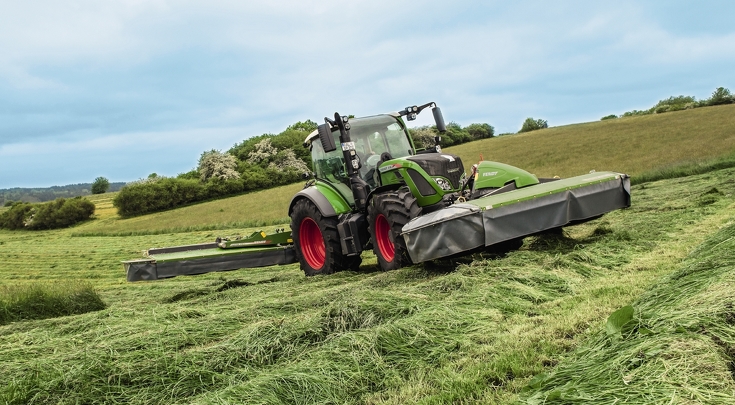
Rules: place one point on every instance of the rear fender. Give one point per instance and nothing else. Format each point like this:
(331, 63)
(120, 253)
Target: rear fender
(329, 206)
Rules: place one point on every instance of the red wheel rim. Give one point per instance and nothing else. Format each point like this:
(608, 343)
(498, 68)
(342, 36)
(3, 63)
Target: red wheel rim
(382, 237)
(312, 243)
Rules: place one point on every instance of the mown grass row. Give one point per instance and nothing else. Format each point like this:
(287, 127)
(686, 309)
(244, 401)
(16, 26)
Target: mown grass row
(28, 301)
(191, 228)
(685, 169)
(675, 344)
(474, 330)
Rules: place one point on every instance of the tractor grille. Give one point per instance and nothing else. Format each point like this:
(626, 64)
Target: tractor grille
(441, 164)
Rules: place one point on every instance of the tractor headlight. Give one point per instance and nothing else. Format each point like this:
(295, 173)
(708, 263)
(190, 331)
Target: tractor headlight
(442, 183)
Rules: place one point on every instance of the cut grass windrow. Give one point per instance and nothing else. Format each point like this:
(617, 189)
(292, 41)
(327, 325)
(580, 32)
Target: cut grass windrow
(675, 344)
(28, 301)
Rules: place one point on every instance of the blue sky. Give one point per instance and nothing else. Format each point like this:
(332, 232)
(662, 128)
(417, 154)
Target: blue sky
(125, 88)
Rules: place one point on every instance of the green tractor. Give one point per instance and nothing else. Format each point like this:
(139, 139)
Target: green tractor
(373, 189)
(370, 181)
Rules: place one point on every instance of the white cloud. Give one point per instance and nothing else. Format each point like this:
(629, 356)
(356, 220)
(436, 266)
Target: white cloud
(108, 77)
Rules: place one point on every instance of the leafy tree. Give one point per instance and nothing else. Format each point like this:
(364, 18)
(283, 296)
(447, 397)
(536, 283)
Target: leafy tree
(100, 185)
(531, 124)
(423, 137)
(720, 96)
(609, 117)
(480, 131)
(457, 134)
(303, 126)
(215, 164)
(191, 174)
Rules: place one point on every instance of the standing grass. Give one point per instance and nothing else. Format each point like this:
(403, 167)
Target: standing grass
(47, 300)
(631, 145)
(675, 344)
(472, 330)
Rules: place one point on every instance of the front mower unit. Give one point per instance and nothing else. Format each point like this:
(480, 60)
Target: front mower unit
(530, 210)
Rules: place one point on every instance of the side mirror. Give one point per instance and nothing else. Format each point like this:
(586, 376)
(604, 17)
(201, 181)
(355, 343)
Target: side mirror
(325, 136)
(439, 119)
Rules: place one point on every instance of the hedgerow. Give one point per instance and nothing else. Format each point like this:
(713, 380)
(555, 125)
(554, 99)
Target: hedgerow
(60, 213)
(720, 96)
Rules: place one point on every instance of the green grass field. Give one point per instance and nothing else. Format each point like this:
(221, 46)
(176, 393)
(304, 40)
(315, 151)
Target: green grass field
(527, 327)
(632, 145)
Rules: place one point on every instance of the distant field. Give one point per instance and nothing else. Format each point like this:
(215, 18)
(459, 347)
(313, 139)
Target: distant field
(476, 330)
(631, 145)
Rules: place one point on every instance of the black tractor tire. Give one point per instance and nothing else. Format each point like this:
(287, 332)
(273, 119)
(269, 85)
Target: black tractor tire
(316, 241)
(387, 214)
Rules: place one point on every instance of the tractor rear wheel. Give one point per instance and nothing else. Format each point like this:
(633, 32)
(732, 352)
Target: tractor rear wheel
(387, 214)
(316, 241)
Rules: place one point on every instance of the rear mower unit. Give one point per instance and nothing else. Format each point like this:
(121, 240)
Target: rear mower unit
(372, 189)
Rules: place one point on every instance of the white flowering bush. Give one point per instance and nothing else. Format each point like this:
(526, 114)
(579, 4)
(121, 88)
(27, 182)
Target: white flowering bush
(217, 165)
(287, 160)
(264, 152)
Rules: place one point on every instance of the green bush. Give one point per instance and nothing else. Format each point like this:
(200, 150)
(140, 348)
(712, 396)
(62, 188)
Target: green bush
(50, 300)
(157, 194)
(100, 185)
(164, 193)
(480, 131)
(531, 124)
(60, 213)
(15, 217)
(720, 96)
(609, 117)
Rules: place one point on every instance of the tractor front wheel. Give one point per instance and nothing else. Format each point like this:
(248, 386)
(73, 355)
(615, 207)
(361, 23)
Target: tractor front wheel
(387, 214)
(316, 241)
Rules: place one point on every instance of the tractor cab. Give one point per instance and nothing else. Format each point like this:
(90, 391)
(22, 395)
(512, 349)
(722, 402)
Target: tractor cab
(376, 138)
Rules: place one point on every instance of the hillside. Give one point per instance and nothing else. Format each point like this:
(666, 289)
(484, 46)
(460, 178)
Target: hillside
(43, 194)
(631, 145)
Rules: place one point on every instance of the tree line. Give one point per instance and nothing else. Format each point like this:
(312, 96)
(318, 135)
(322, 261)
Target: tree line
(43, 194)
(260, 162)
(720, 96)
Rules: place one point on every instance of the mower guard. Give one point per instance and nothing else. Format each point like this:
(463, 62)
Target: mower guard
(526, 211)
(258, 250)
